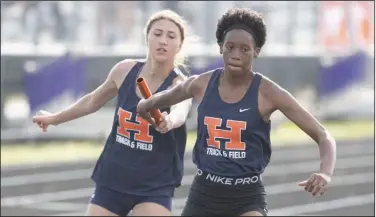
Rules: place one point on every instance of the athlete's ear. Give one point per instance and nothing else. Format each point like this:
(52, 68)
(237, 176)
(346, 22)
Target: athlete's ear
(257, 52)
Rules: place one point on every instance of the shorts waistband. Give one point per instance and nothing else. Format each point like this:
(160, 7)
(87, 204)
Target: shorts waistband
(230, 181)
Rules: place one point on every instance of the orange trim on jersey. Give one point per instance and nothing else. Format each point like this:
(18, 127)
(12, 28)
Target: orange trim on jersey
(141, 128)
(234, 134)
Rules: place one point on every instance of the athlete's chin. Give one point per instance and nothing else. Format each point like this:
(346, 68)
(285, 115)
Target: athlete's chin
(160, 58)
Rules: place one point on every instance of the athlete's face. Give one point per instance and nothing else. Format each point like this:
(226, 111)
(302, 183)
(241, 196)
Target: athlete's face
(238, 51)
(164, 40)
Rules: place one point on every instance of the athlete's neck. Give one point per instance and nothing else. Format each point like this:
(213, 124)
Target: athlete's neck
(155, 68)
(238, 80)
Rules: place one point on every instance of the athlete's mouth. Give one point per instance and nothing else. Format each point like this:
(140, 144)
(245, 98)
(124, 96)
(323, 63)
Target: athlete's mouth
(161, 49)
(233, 65)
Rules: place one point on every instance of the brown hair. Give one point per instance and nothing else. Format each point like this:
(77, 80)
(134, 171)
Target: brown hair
(183, 29)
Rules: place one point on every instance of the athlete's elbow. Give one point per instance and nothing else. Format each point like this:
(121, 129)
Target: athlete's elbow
(327, 144)
(93, 109)
(324, 137)
(92, 104)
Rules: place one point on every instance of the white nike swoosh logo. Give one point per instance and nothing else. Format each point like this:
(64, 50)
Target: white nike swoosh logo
(243, 110)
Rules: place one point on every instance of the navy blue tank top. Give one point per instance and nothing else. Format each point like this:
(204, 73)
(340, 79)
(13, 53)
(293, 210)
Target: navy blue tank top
(232, 138)
(136, 158)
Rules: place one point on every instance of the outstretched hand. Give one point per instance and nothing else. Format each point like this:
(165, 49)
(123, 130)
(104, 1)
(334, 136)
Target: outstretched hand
(43, 119)
(316, 184)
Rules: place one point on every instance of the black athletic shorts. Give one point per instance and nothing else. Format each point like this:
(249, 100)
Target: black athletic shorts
(121, 203)
(212, 195)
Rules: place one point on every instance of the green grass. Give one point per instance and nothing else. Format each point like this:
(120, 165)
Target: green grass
(288, 134)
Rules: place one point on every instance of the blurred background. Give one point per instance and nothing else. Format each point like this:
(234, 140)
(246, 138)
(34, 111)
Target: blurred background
(54, 52)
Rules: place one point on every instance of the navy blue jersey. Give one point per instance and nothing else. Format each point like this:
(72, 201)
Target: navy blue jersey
(136, 158)
(232, 138)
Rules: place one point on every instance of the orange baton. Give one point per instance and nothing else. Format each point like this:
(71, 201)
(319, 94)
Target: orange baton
(145, 91)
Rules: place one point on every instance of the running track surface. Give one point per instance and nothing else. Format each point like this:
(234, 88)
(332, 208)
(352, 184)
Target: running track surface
(64, 189)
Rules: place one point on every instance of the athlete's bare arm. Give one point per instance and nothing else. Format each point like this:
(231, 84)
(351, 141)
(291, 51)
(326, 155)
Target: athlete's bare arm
(93, 101)
(179, 112)
(282, 100)
(193, 87)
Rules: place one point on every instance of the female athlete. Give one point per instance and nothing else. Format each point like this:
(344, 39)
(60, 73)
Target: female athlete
(233, 133)
(141, 164)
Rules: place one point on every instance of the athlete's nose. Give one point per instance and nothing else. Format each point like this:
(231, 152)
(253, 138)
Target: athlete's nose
(163, 40)
(235, 55)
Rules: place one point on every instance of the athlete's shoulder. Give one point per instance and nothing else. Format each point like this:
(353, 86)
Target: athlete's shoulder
(123, 66)
(199, 83)
(205, 76)
(128, 64)
(270, 89)
(121, 70)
